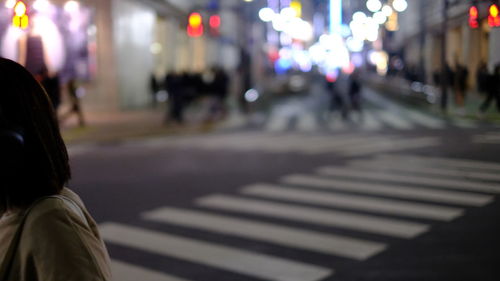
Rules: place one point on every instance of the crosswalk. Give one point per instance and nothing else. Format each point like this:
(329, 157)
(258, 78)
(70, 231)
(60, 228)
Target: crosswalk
(487, 138)
(371, 119)
(321, 213)
(345, 144)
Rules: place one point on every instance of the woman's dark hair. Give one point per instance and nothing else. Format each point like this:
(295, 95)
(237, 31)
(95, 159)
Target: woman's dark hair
(41, 166)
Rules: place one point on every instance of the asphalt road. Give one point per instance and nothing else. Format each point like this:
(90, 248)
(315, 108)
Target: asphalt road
(385, 202)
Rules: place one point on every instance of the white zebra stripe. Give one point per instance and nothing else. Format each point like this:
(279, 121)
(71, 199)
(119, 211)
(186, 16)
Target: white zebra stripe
(355, 202)
(348, 220)
(219, 256)
(398, 191)
(280, 235)
(408, 179)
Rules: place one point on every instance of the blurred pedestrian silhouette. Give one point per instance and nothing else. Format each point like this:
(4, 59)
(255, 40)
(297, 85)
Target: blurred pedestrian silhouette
(52, 86)
(174, 83)
(219, 89)
(492, 87)
(336, 100)
(460, 83)
(75, 105)
(355, 92)
(154, 88)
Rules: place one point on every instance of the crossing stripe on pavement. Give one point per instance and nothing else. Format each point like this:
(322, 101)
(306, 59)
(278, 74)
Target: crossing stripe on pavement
(425, 120)
(416, 193)
(363, 223)
(128, 272)
(394, 120)
(418, 169)
(280, 235)
(344, 143)
(409, 179)
(307, 122)
(392, 145)
(223, 257)
(450, 162)
(355, 202)
(370, 122)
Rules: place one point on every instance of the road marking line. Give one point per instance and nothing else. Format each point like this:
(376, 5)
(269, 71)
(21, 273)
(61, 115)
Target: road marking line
(329, 244)
(425, 120)
(277, 123)
(306, 122)
(364, 223)
(408, 179)
(370, 122)
(393, 145)
(219, 256)
(436, 171)
(394, 121)
(451, 162)
(398, 191)
(355, 202)
(128, 272)
(343, 143)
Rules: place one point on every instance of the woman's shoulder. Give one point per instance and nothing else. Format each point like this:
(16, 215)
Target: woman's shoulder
(53, 209)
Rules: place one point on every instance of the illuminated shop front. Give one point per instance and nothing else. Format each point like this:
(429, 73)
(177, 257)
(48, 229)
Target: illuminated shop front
(56, 36)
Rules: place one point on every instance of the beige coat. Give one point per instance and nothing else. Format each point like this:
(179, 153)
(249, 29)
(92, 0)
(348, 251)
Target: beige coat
(56, 245)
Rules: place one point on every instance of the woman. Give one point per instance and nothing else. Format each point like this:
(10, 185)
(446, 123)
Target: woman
(45, 231)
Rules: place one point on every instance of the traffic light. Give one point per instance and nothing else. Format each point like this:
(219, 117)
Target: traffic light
(214, 23)
(195, 25)
(20, 18)
(493, 16)
(473, 17)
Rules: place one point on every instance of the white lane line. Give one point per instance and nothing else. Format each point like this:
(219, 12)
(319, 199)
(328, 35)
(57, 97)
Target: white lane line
(128, 272)
(337, 123)
(393, 120)
(381, 164)
(307, 122)
(227, 258)
(329, 244)
(355, 202)
(408, 179)
(348, 220)
(425, 120)
(370, 122)
(344, 143)
(451, 162)
(398, 191)
(393, 145)
(277, 123)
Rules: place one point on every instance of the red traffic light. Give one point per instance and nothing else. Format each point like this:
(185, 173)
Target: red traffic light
(493, 16)
(214, 23)
(195, 25)
(473, 17)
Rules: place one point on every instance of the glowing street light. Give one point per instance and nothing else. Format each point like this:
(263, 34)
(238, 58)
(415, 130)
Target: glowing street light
(266, 14)
(374, 5)
(400, 5)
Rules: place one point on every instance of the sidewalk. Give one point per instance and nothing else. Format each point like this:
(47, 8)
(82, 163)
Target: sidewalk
(429, 99)
(108, 127)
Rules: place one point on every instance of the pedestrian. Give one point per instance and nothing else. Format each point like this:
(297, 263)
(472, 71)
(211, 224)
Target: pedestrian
(460, 84)
(220, 90)
(45, 231)
(482, 78)
(355, 92)
(492, 91)
(336, 100)
(175, 89)
(154, 88)
(75, 106)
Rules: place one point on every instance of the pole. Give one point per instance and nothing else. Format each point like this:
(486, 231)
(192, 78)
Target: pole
(444, 65)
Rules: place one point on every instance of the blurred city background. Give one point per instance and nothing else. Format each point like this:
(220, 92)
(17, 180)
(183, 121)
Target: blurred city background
(291, 140)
